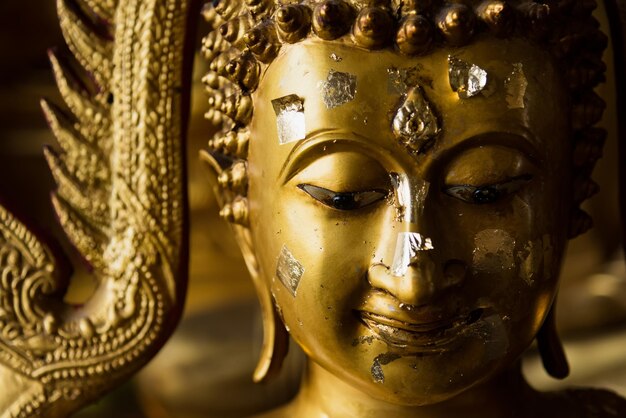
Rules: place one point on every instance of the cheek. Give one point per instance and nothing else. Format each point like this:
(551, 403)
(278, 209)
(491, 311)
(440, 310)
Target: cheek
(493, 251)
(316, 263)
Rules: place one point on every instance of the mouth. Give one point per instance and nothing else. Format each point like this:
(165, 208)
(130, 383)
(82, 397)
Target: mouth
(424, 337)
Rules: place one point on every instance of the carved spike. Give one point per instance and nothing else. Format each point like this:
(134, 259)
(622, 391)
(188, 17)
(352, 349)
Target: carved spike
(87, 239)
(91, 51)
(456, 22)
(415, 35)
(587, 111)
(87, 163)
(69, 139)
(263, 42)
(293, 22)
(77, 99)
(373, 28)
(72, 191)
(498, 15)
(234, 30)
(580, 223)
(62, 127)
(332, 19)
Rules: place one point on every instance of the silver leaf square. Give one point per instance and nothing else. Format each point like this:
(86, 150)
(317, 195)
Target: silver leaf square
(408, 245)
(515, 85)
(289, 270)
(289, 118)
(468, 80)
(338, 89)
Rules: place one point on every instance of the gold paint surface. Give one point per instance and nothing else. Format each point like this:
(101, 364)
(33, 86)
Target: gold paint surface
(493, 250)
(119, 198)
(442, 339)
(460, 313)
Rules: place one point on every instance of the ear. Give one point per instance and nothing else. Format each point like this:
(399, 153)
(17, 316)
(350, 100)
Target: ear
(229, 186)
(551, 348)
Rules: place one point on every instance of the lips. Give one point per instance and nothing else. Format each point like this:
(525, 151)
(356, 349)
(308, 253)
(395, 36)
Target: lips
(422, 336)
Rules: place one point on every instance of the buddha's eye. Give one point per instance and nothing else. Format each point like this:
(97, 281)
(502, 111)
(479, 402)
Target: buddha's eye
(344, 200)
(480, 195)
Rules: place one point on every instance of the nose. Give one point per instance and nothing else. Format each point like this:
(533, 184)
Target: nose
(415, 287)
(416, 277)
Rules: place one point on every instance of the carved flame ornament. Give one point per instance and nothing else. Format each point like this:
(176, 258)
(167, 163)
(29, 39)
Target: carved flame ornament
(121, 201)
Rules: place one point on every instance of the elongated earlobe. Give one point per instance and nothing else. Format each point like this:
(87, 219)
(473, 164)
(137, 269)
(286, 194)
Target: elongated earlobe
(551, 348)
(275, 345)
(228, 185)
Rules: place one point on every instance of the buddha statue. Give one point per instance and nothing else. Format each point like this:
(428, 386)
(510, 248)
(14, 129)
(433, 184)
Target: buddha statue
(401, 177)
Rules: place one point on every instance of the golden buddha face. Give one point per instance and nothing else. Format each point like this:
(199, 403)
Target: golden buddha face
(409, 213)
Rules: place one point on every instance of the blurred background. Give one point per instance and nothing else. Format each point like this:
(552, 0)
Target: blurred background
(205, 369)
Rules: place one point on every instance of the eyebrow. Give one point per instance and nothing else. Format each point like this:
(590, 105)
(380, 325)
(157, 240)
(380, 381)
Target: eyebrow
(521, 140)
(313, 140)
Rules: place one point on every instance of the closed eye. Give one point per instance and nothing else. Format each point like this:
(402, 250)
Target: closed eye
(344, 200)
(491, 193)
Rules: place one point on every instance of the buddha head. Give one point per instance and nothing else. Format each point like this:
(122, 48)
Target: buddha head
(402, 178)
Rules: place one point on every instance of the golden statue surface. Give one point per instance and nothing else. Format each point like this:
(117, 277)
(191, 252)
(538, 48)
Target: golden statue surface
(402, 178)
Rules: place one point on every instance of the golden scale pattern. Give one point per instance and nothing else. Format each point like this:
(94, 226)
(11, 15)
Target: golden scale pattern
(120, 200)
(248, 34)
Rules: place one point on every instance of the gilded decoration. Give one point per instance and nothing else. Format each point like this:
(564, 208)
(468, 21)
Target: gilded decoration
(401, 177)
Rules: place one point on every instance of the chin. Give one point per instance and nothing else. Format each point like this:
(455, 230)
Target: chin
(418, 377)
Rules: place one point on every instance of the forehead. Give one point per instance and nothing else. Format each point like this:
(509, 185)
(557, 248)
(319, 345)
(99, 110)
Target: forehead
(353, 90)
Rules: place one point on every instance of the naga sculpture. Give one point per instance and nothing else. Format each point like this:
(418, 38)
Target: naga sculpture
(401, 176)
